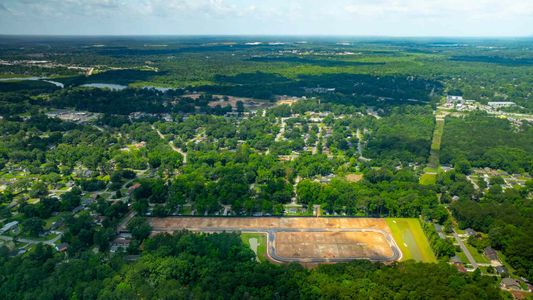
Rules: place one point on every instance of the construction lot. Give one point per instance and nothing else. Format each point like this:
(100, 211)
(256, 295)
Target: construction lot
(305, 240)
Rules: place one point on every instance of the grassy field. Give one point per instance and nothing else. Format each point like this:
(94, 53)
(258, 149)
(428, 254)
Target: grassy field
(261, 239)
(427, 179)
(478, 257)
(435, 145)
(411, 239)
(462, 256)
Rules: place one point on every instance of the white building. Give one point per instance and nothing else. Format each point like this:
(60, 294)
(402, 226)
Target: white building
(454, 99)
(8, 227)
(500, 104)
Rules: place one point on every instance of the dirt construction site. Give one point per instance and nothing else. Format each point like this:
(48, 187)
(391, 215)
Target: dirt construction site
(305, 240)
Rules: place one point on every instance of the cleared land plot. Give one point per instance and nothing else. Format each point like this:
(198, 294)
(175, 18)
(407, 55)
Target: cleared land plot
(230, 224)
(478, 257)
(428, 178)
(307, 240)
(411, 239)
(332, 245)
(354, 177)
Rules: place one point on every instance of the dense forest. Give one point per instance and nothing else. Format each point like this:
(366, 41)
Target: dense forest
(485, 141)
(218, 266)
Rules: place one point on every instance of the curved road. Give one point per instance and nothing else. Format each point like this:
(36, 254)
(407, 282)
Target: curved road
(271, 246)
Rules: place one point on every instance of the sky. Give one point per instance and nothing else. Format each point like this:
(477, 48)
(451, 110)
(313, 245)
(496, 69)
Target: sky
(497, 18)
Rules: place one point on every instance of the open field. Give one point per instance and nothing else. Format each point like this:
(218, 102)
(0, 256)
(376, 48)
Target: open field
(428, 178)
(411, 239)
(354, 177)
(332, 244)
(306, 240)
(250, 103)
(478, 257)
(261, 242)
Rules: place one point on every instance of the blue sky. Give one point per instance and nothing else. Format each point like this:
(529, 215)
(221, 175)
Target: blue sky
(269, 17)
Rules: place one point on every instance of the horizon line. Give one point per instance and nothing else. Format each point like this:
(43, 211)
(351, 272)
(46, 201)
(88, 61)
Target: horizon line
(265, 35)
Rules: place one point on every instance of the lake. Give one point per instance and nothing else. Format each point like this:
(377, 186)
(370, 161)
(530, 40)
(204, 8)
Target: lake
(114, 87)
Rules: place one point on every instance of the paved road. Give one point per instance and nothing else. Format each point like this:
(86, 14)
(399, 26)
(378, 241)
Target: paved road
(281, 132)
(360, 146)
(171, 144)
(31, 241)
(123, 226)
(465, 250)
(271, 245)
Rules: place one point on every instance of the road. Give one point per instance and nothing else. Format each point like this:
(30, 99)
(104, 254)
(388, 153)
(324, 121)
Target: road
(50, 242)
(271, 245)
(318, 137)
(184, 154)
(527, 117)
(360, 145)
(123, 226)
(465, 250)
(279, 136)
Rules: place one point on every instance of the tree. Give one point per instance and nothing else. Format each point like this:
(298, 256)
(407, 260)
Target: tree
(38, 189)
(32, 226)
(462, 166)
(308, 191)
(139, 228)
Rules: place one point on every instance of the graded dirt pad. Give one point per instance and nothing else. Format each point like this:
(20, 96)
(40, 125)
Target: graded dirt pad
(305, 240)
(340, 245)
(171, 224)
(354, 177)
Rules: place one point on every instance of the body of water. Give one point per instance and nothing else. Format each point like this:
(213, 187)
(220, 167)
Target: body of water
(59, 84)
(111, 86)
(114, 87)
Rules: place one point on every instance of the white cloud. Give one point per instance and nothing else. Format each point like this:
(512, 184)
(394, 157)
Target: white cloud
(442, 9)
(384, 17)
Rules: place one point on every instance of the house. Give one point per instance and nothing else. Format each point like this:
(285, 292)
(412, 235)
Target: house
(319, 90)
(62, 247)
(438, 228)
(9, 226)
(125, 235)
(501, 270)
(470, 232)
(456, 260)
(134, 187)
(21, 251)
(510, 284)
(77, 209)
(454, 99)
(56, 225)
(460, 267)
(88, 201)
(500, 104)
(491, 254)
(118, 244)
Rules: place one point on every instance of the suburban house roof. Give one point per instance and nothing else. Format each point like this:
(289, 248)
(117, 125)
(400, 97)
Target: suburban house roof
(490, 253)
(509, 283)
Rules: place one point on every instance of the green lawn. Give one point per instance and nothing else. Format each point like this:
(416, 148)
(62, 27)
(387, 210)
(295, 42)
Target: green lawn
(427, 179)
(261, 239)
(463, 257)
(49, 221)
(411, 239)
(478, 257)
